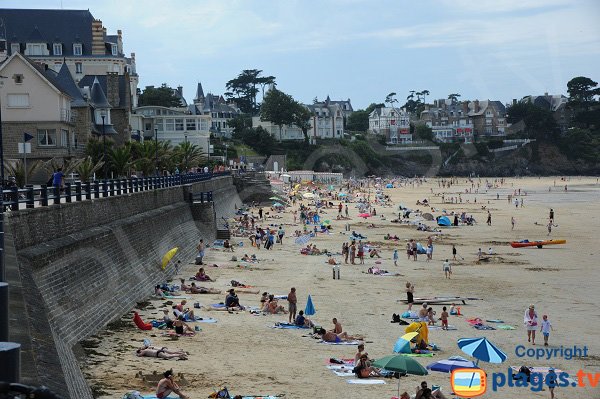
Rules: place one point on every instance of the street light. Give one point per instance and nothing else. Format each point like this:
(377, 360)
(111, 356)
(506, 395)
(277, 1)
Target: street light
(156, 151)
(185, 156)
(2, 272)
(103, 116)
(226, 147)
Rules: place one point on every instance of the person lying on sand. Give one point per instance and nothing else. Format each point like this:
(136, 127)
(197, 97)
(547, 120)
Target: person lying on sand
(203, 290)
(329, 336)
(161, 353)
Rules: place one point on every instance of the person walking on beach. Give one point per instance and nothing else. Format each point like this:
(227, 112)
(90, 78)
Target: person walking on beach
(346, 210)
(545, 329)
(531, 321)
(551, 217)
(292, 301)
(201, 248)
(361, 252)
(352, 252)
(410, 290)
(549, 228)
(414, 250)
(444, 318)
(447, 269)
(395, 257)
(479, 254)
(345, 252)
(489, 219)
(512, 222)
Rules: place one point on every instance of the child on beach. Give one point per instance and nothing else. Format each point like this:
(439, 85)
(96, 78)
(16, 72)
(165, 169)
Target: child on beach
(545, 329)
(430, 316)
(453, 310)
(444, 318)
(395, 257)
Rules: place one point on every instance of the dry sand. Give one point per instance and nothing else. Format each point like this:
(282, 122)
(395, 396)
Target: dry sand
(243, 353)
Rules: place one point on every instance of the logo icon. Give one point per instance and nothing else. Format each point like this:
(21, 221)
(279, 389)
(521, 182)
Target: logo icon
(468, 383)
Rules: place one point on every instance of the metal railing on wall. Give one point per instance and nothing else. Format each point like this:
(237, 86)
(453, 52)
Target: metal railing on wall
(34, 197)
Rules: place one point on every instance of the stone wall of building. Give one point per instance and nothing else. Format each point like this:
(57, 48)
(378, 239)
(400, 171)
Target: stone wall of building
(77, 267)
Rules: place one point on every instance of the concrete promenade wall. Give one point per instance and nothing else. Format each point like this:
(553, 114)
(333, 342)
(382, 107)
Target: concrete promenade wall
(74, 268)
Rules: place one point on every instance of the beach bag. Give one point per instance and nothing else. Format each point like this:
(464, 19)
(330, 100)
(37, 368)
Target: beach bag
(133, 395)
(198, 260)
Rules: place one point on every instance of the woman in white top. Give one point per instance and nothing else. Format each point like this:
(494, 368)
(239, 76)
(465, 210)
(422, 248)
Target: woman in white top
(531, 323)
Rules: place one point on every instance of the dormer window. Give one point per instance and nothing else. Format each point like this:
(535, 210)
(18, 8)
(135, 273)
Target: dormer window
(77, 49)
(15, 48)
(114, 49)
(36, 49)
(57, 49)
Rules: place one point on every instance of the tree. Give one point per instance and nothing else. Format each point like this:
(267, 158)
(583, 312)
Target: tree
(16, 168)
(239, 123)
(68, 166)
(539, 122)
(95, 148)
(163, 96)
(358, 121)
(120, 160)
(582, 91)
(422, 95)
(242, 89)
(372, 106)
(188, 155)
(87, 167)
(278, 108)
(453, 97)
(301, 118)
(424, 132)
(413, 106)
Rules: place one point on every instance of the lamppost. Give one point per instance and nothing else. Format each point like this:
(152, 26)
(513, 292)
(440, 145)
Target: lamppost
(226, 148)
(103, 116)
(185, 154)
(2, 272)
(156, 151)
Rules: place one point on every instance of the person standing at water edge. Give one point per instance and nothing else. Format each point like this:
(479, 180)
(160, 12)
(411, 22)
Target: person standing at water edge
(531, 321)
(394, 257)
(489, 219)
(453, 252)
(512, 222)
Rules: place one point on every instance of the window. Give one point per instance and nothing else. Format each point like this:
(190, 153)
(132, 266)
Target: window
(64, 138)
(18, 78)
(179, 125)
(116, 68)
(36, 49)
(169, 125)
(78, 67)
(190, 124)
(15, 48)
(73, 140)
(158, 124)
(17, 100)
(47, 138)
(114, 49)
(203, 124)
(77, 49)
(57, 49)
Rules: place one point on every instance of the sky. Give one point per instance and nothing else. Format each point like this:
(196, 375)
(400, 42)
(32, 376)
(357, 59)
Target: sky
(360, 50)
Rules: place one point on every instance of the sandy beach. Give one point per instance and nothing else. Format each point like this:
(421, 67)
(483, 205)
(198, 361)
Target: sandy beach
(244, 354)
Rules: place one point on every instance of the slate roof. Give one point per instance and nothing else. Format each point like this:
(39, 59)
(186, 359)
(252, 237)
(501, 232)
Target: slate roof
(35, 25)
(97, 96)
(65, 80)
(199, 92)
(88, 80)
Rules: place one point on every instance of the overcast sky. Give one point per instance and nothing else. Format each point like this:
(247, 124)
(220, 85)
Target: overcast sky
(357, 49)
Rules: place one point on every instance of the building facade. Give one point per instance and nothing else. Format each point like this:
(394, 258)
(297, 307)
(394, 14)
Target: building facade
(449, 121)
(219, 111)
(391, 123)
(176, 125)
(556, 103)
(78, 40)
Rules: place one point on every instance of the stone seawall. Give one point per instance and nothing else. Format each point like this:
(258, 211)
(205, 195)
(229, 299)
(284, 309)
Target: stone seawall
(74, 268)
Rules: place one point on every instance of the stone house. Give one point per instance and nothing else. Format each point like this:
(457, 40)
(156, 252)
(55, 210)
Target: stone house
(391, 123)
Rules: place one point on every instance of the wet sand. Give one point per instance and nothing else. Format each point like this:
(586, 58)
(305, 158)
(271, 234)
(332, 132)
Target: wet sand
(247, 356)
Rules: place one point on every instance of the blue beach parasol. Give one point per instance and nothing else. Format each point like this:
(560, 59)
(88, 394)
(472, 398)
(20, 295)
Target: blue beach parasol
(481, 349)
(309, 310)
(447, 365)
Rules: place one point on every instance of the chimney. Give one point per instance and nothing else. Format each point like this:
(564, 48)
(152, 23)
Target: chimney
(546, 94)
(112, 88)
(514, 101)
(476, 106)
(119, 33)
(97, 38)
(180, 90)
(435, 103)
(465, 107)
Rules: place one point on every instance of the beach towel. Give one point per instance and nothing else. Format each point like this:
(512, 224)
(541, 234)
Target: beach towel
(205, 320)
(288, 326)
(483, 327)
(417, 354)
(505, 327)
(450, 327)
(495, 321)
(176, 297)
(174, 334)
(366, 381)
(355, 342)
(152, 396)
(340, 367)
(217, 305)
(335, 361)
(343, 373)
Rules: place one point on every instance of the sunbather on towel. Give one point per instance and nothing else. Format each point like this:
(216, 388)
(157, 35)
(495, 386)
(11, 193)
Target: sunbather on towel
(303, 321)
(363, 369)
(161, 353)
(274, 307)
(232, 302)
(426, 393)
(181, 309)
(203, 290)
(329, 336)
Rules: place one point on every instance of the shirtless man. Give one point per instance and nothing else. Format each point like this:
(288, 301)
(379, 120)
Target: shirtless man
(161, 353)
(337, 327)
(292, 302)
(329, 336)
(167, 385)
(361, 351)
(203, 290)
